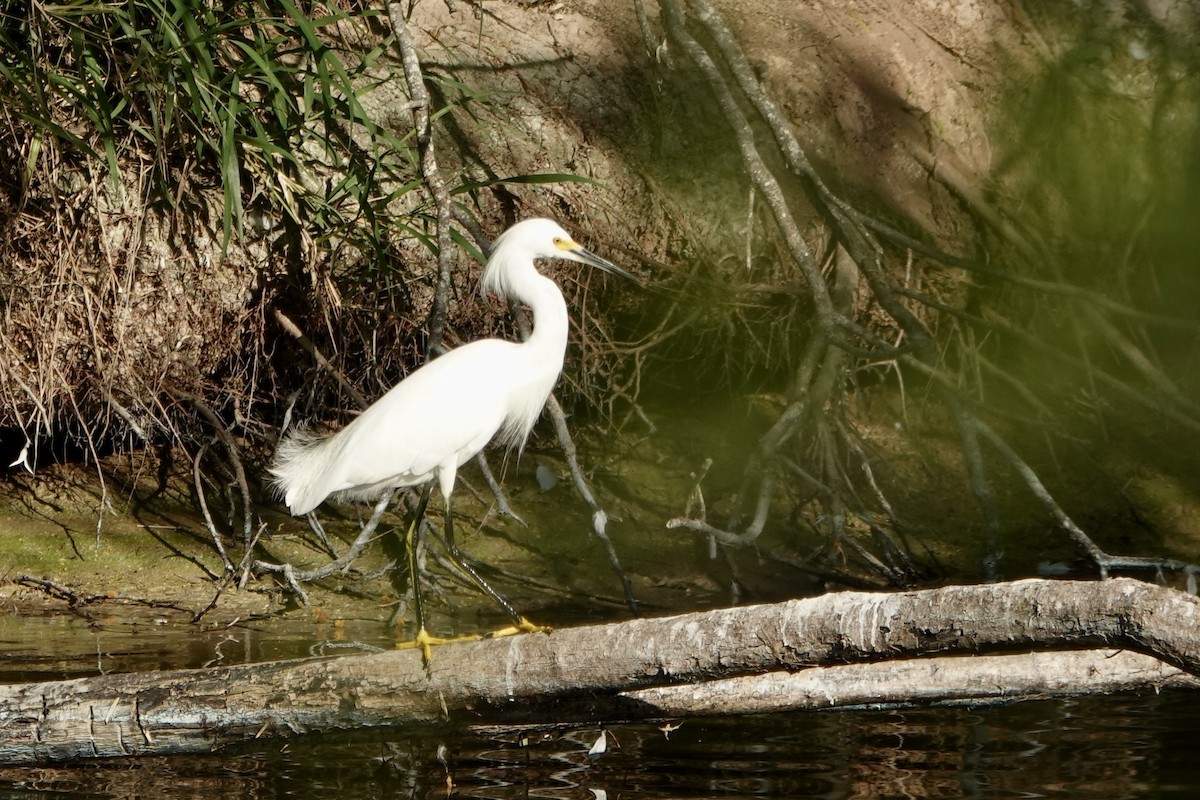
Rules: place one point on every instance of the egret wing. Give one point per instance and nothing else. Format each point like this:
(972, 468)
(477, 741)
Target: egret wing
(445, 412)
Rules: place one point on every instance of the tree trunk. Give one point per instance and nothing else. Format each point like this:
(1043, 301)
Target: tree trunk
(735, 660)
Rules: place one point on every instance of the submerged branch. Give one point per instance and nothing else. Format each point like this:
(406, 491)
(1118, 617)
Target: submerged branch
(338, 565)
(202, 499)
(233, 453)
(599, 515)
(1103, 561)
(502, 506)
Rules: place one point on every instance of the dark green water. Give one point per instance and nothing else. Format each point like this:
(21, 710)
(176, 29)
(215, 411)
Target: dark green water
(1128, 746)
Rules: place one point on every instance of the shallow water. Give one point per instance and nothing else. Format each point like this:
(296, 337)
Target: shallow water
(1128, 746)
(1125, 747)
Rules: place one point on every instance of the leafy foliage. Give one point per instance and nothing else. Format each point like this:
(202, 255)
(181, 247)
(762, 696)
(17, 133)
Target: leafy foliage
(249, 96)
(144, 146)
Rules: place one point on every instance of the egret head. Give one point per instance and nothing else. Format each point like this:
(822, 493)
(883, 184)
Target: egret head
(517, 247)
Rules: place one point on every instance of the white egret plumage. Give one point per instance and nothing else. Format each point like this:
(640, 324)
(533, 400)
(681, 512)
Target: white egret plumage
(444, 413)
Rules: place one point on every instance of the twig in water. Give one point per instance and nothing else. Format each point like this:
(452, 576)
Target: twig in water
(340, 564)
(202, 498)
(599, 515)
(502, 506)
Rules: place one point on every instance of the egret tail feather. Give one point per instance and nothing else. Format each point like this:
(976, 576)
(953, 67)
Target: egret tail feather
(301, 468)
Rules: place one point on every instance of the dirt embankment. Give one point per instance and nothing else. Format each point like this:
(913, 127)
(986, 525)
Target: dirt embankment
(898, 107)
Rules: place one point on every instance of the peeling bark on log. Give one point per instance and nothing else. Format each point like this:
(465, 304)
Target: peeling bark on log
(728, 661)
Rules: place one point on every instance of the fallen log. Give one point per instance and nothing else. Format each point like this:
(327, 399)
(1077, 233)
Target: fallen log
(937, 681)
(839, 650)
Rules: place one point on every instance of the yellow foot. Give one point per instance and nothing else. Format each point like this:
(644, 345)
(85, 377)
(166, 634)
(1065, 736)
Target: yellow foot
(524, 626)
(425, 643)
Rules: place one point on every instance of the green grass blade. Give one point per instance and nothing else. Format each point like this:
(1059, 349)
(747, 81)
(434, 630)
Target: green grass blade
(231, 169)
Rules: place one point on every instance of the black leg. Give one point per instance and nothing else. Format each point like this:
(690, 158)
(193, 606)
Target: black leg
(456, 556)
(413, 544)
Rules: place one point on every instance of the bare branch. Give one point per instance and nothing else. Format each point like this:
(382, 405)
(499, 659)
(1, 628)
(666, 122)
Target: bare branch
(429, 169)
(599, 515)
(293, 330)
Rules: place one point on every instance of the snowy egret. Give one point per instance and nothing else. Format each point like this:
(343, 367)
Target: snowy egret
(444, 413)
